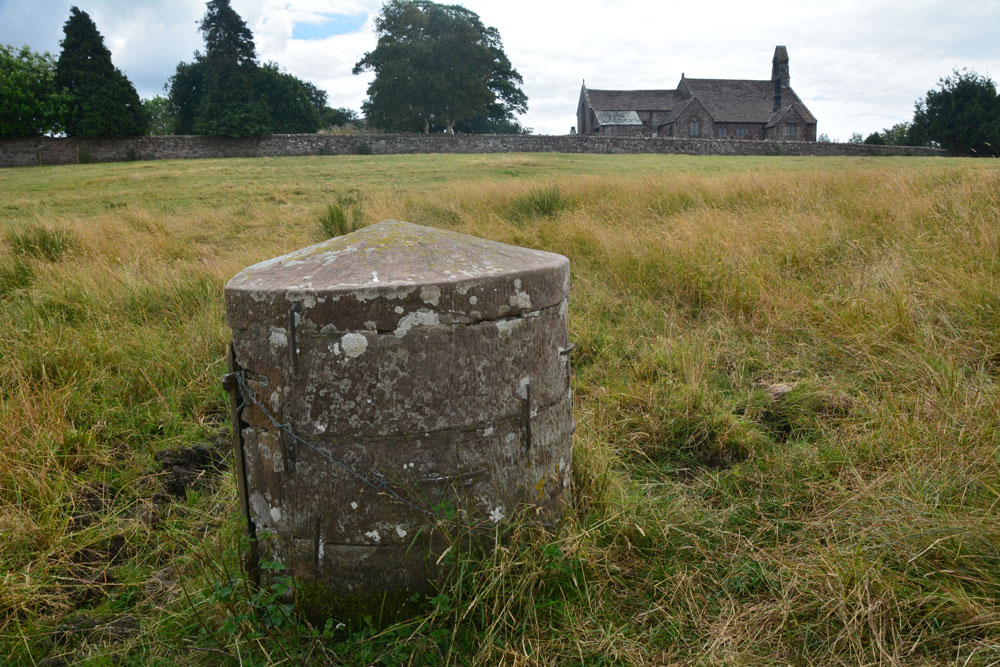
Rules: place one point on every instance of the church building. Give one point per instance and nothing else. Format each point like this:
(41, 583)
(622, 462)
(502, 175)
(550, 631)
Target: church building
(709, 108)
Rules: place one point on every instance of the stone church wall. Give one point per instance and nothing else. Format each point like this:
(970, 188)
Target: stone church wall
(45, 151)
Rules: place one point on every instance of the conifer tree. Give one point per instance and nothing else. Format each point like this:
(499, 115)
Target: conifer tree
(224, 92)
(229, 107)
(100, 100)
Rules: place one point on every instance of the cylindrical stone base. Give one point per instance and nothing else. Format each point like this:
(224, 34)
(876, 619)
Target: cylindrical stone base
(389, 378)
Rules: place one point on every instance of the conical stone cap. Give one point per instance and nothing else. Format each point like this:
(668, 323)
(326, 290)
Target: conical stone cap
(378, 277)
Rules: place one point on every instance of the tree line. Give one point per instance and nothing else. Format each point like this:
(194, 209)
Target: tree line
(436, 67)
(223, 92)
(961, 116)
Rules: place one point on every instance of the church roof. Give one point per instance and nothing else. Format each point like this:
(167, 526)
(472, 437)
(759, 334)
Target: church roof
(617, 117)
(742, 100)
(632, 100)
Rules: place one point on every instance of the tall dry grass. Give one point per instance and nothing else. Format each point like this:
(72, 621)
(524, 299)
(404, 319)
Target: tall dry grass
(786, 382)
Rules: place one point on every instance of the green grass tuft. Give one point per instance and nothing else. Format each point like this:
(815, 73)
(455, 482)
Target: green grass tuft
(339, 219)
(41, 242)
(541, 202)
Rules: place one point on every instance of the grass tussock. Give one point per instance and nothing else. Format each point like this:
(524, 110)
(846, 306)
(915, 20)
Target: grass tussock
(544, 202)
(341, 218)
(787, 395)
(45, 243)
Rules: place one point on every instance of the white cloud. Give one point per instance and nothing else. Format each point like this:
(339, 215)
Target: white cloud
(858, 64)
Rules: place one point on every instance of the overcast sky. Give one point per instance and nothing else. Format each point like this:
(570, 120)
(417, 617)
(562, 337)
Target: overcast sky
(859, 65)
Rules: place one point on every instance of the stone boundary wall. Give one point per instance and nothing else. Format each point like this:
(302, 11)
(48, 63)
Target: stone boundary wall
(41, 151)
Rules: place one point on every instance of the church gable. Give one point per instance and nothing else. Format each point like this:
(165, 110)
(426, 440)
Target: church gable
(689, 119)
(793, 122)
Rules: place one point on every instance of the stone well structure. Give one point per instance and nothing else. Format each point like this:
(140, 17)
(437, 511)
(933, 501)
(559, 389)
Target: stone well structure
(388, 377)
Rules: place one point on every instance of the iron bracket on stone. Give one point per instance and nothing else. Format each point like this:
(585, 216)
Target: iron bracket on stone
(230, 383)
(564, 352)
(526, 402)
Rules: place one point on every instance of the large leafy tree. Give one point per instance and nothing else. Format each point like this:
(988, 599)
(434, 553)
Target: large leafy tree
(439, 66)
(224, 92)
(29, 103)
(100, 100)
(962, 116)
(294, 105)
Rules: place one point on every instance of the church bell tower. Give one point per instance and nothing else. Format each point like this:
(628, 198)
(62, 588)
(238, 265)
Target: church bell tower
(779, 73)
(779, 66)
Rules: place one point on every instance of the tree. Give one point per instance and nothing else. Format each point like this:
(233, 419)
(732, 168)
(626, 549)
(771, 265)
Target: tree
(856, 138)
(875, 139)
(962, 116)
(30, 106)
(100, 100)
(187, 88)
(159, 118)
(339, 117)
(224, 92)
(824, 137)
(897, 135)
(438, 65)
(316, 97)
(294, 106)
(228, 106)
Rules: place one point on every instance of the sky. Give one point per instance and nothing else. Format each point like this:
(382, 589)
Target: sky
(859, 65)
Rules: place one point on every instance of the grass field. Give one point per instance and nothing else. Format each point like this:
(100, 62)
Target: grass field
(787, 382)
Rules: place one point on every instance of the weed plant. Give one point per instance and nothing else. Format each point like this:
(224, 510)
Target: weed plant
(786, 386)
